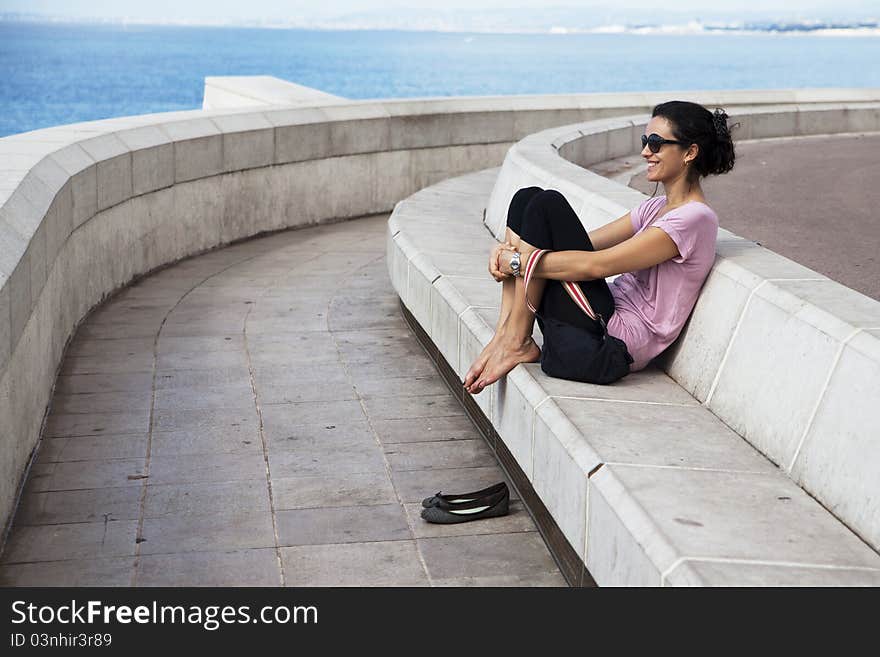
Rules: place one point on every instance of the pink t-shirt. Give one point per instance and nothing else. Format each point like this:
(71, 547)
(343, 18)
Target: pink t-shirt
(652, 305)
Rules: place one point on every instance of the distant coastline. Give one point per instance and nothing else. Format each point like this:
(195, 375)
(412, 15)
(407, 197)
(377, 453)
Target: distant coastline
(867, 28)
(812, 28)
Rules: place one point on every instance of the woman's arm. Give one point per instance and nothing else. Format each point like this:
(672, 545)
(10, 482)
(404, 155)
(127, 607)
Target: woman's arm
(648, 248)
(612, 233)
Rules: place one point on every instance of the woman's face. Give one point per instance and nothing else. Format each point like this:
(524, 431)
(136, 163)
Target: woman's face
(668, 162)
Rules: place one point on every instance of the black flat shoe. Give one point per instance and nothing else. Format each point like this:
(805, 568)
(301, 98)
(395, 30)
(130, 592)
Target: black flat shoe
(434, 500)
(445, 513)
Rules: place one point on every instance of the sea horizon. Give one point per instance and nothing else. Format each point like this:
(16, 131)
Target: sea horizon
(66, 72)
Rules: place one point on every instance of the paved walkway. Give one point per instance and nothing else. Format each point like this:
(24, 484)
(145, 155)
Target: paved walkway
(261, 415)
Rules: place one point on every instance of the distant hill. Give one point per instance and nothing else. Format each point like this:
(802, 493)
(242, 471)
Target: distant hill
(548, 20)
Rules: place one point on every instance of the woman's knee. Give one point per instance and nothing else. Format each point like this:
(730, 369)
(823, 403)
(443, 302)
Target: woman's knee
(552, 222)
(524, 194)
(517, 206)
(550, 203)
(545, 208)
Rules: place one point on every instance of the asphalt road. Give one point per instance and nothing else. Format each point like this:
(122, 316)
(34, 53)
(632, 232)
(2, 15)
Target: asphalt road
(815, 200)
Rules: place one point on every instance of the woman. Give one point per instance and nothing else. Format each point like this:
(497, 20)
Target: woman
(664, 249)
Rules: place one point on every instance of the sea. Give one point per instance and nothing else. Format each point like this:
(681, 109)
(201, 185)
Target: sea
(57, 73)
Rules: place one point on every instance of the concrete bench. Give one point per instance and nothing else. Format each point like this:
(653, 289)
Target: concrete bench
(747, 456)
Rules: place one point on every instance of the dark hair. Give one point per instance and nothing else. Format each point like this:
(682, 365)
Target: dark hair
(694, 124)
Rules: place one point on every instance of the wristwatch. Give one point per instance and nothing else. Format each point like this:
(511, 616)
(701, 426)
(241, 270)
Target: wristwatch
(515, 264)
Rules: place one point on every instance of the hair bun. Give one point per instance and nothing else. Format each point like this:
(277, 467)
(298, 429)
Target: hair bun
(720, 119)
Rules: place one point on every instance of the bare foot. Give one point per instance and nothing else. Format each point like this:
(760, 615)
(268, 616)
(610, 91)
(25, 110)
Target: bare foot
(477, 366)
(503, 359)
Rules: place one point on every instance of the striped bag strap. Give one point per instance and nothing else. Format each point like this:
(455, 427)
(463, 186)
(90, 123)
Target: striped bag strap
(574, 290)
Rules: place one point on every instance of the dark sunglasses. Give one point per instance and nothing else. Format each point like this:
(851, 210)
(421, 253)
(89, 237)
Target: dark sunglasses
(655, 142)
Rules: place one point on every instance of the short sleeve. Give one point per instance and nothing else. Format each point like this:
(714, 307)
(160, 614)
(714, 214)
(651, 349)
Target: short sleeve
(684, 229)
(635, 217)
(639, 214)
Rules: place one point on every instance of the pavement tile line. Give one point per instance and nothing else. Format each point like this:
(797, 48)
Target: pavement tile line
(147, 461)
(388, 469)
(258, 406)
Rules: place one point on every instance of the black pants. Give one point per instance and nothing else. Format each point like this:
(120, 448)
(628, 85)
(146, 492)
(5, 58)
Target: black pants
(544, 219)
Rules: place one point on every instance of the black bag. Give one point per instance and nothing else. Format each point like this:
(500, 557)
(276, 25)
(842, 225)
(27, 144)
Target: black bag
(575, 353)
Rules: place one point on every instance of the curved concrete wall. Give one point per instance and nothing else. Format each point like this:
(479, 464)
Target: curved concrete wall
(783, 355)
(86, 208)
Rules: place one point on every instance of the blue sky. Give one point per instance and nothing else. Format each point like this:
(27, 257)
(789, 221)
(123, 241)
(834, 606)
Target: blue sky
(309, 9)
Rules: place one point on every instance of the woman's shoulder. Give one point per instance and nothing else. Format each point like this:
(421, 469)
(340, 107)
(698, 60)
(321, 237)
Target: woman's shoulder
(693, 210)
(702, 204)
(702, 209)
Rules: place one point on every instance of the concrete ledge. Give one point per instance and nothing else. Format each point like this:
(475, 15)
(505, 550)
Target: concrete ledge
(257, 91)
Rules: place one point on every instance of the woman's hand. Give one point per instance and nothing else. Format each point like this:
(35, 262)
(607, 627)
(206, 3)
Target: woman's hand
(506, 256)
(495, 259)
(504, 259)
